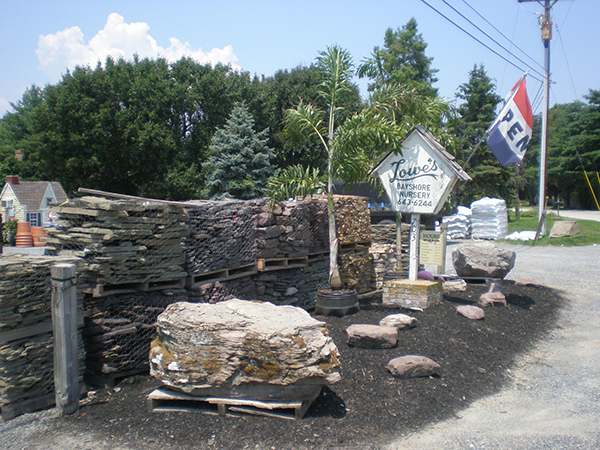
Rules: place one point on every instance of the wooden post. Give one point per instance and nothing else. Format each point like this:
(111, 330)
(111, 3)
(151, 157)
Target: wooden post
(399, 268)
(64, 319)
(415, 232)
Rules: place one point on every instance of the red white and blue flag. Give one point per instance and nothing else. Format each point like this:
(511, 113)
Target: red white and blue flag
(510, 133)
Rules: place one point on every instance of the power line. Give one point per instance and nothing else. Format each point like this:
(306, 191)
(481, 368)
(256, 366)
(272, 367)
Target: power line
(502, 34)
(480, 42)
(491, 38)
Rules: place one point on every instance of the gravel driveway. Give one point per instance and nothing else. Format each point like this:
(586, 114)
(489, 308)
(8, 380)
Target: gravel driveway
(554, 399)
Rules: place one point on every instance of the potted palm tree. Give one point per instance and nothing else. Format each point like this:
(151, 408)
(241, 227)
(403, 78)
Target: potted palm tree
(344, 144)
(352, 146)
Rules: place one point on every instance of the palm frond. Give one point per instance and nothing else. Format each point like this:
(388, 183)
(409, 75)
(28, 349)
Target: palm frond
(295, 181)
(305, 123)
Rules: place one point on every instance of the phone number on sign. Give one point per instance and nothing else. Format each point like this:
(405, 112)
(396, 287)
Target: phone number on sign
(416, 202)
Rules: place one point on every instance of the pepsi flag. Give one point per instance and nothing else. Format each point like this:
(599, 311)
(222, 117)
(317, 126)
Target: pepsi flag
(510, 133)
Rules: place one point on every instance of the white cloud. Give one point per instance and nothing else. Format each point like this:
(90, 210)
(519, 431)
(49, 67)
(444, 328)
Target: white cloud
(67, 49)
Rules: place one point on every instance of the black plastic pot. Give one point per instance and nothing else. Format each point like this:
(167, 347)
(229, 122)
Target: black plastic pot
(336, 303)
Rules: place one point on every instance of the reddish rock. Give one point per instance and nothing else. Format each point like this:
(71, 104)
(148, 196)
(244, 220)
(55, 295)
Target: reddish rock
(412, 366)
(529, 281)
(492, 297)
(471, 312)
(372, 336)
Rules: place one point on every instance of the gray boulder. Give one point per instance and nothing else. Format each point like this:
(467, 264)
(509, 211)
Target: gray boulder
(372, 336)
(483, 260)
(243, 349)
(412, 366)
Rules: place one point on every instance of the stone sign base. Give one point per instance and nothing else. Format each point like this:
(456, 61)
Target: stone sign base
(418, 294)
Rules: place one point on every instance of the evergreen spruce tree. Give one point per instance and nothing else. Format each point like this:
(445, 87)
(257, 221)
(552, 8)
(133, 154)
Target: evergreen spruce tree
(475, 115)
(240, 160)
(402, 60)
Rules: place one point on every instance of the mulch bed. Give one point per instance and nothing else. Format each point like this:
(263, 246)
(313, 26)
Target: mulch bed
(368, 407)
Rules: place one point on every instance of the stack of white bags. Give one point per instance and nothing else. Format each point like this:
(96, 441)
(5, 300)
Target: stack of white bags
(459, 224)
(489, 218)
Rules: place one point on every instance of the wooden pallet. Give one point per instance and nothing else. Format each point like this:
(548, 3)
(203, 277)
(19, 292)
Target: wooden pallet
(221, 275)
(104, 290)
(320, 256)
(162, 400)
(481, 280)
(354, 246)
(267, 265)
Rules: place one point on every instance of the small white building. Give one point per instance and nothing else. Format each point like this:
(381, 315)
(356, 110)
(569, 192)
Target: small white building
(29, 201)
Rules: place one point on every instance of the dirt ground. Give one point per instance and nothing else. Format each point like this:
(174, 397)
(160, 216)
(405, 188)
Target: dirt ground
(365, 410)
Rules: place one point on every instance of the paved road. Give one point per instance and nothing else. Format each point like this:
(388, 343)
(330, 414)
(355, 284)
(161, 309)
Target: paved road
(580, 215)
(553, 401)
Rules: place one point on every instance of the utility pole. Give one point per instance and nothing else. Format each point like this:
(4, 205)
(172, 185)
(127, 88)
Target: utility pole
(546, 25)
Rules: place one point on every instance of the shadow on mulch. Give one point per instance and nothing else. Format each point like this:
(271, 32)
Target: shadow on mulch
(368, 407)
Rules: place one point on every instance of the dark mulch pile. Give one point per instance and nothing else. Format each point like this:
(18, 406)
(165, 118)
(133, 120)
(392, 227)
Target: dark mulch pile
(368, 407)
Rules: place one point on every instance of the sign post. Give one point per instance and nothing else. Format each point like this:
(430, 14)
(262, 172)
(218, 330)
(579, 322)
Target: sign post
(418, 181)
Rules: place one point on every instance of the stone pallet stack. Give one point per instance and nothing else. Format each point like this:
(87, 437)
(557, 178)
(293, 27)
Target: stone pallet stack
(121, 241)
(319, 225)
(26, 339)
(353, 226)
(282, 231)
(283, 287)
(118, 331)
(355, 269)
(222, 236)
(383, 251)
(352, 219)
(316, 277)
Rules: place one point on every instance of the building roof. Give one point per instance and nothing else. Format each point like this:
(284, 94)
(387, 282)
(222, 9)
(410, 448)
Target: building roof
(32, 193)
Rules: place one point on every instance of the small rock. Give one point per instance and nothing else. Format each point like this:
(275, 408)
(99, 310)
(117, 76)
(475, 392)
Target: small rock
(372, 336)
(458, 285)
(399, 321)
(412, 366)
(493, 296)
(291, 291)
(471, 312)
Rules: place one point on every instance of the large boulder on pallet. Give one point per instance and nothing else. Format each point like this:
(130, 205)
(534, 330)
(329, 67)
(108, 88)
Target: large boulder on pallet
(483, 260)
(243, 349)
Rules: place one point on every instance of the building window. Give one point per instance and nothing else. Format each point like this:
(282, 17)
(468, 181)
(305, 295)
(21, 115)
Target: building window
(48, 201)
(7, 203)
(34, 219)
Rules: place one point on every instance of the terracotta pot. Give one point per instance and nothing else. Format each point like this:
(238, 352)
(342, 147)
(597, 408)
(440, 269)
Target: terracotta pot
(38, 232)
(24, 237)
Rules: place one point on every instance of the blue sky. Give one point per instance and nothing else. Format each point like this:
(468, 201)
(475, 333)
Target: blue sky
(41, 39)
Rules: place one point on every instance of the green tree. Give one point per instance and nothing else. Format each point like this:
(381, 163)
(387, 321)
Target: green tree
(240, 160)
(285, 89)
(402, 60)
(574, 146)
(139, 127)
(474, 116)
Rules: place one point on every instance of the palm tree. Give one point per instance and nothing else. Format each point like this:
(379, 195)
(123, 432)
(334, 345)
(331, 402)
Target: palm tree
(352, 146)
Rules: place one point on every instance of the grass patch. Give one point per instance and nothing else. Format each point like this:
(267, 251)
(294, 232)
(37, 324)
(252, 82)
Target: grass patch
(589, 230)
